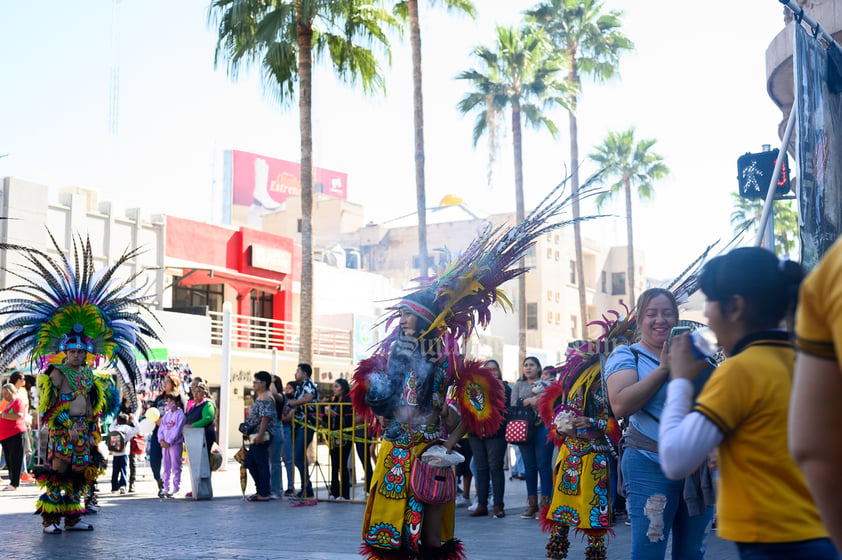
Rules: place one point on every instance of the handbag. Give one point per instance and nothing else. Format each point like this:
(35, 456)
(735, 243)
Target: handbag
(521, 421)
(431, 484)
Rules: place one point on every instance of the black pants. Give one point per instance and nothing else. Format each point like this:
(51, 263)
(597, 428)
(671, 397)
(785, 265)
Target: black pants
(132, 469)
(153, 448)
(340, 474)
(365, 459)
(489, 455)
(13, 451)
(257, 462)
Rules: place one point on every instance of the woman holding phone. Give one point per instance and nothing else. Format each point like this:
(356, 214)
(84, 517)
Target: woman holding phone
(636, 379)
(764, 505)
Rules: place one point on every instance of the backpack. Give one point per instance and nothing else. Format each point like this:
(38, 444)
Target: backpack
(115, 441)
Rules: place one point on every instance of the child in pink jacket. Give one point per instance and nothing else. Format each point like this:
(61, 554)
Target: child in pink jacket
(171, 439)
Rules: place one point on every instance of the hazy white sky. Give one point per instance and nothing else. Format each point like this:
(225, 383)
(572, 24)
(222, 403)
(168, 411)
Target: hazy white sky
(696, 83)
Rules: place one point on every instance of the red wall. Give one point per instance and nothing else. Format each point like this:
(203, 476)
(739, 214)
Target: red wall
(225, 247)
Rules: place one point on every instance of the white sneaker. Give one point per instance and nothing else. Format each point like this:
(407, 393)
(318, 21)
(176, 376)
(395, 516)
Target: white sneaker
(462, 501)
(52, 529)
(473, 507)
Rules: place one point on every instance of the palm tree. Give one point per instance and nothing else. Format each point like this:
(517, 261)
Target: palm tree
(593, 42)
(283, 38)
(408, 10)
(746, 216)
(517, 75)
(632, 164)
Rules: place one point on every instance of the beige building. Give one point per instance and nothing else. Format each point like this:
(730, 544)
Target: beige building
(390, 250)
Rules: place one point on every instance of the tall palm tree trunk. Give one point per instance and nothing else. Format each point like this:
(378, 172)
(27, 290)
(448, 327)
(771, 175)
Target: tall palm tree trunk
(630, 234)
(305, 76)
(573, 79)
(520, 215)
(418, 99)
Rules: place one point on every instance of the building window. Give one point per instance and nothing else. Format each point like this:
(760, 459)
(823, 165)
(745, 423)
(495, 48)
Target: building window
(556, 254)
(604, 282)
(557, 297)
(549, 252)
(618, 283)
(549, 295)
(573, 328)
(200, 295)
(572, 272)
(558, 318)
(532, 316)
(556, 239)
(549, 317)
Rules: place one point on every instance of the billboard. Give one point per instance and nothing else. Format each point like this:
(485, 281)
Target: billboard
(262, 183)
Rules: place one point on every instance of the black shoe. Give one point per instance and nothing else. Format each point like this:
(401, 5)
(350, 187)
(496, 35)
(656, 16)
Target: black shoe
(308, 494)
(131, 487)
(289, 493)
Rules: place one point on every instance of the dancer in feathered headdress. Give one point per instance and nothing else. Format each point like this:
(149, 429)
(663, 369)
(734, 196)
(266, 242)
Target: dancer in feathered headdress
(70, 319)
(406, 382)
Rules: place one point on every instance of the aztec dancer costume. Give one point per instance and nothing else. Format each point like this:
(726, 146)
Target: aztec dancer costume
(70, 320)
(409, 377)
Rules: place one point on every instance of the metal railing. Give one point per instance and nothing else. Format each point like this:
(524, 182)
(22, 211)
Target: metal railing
(259, 333)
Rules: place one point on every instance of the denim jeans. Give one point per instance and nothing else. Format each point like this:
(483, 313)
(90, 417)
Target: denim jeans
(276, 447)
(257, 462)
(815, 549)
(656, 508)
(119, 464)
(286, 456)
(488, 459)
(303, 437)
(537, 456)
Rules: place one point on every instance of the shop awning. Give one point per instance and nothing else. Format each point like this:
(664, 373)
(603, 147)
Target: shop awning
(196, 274)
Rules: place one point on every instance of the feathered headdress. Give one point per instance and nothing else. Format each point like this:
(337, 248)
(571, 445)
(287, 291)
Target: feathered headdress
(69, 305)
(454, 303)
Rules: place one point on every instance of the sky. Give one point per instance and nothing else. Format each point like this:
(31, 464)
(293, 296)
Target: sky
(696, 83)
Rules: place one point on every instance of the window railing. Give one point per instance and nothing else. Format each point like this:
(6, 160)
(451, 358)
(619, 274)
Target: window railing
(259, 333)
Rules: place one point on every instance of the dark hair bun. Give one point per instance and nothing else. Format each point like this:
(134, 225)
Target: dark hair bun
(768, 284)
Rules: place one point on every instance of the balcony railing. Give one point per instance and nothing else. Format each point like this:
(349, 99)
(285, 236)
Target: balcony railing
(258, 333)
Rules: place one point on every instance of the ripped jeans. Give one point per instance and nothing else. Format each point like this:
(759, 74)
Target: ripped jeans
(656, 507)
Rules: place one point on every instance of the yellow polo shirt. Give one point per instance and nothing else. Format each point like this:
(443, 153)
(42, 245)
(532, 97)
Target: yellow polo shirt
(818, 320)
(763, 496)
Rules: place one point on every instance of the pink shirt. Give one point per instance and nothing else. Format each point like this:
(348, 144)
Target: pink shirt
(8, 427)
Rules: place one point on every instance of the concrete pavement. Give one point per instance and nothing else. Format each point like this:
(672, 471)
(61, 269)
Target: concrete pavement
(143, 526)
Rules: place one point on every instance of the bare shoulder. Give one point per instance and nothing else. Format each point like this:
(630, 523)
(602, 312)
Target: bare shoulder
(56, 375)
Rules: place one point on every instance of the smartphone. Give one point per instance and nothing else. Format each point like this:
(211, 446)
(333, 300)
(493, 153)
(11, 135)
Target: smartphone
(677, 331)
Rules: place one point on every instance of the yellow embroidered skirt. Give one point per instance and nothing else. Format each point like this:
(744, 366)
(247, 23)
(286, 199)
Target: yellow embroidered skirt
(392, 515)
(581, 496)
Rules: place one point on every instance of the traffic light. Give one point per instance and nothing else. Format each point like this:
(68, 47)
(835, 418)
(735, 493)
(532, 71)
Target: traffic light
(754, 172)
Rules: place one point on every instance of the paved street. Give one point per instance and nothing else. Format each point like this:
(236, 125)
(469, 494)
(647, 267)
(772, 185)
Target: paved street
(142, 526)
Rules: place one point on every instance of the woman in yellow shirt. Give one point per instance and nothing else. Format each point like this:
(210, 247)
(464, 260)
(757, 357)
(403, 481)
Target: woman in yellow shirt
(764, 504)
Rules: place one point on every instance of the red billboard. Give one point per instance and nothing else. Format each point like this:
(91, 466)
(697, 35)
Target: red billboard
(267, 182)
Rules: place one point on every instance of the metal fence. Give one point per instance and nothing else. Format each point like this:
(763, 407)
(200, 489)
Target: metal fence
(354, 447)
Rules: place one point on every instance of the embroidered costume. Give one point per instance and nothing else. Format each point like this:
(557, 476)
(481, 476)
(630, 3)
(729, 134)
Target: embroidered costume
(67, 307)
(582, 474)
(407, 381)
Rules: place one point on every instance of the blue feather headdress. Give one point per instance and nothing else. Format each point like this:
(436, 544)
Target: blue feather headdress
(68, 304)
